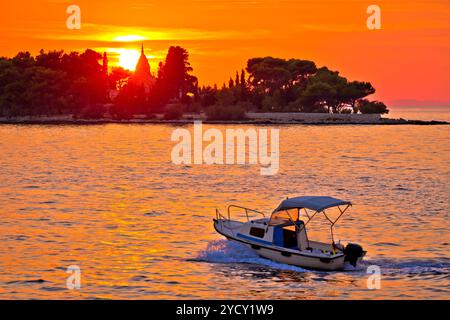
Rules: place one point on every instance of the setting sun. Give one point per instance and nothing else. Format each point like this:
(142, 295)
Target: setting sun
(128, 58)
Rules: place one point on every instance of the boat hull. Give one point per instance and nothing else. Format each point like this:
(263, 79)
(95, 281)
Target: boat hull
(287, 256)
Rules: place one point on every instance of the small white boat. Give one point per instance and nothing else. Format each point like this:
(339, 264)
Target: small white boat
(283, 237)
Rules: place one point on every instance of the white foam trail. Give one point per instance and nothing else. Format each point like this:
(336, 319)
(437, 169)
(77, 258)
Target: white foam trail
(411, 267)
(224, 251)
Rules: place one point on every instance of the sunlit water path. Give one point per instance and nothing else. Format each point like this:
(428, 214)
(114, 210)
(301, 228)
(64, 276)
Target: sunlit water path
(108, 199)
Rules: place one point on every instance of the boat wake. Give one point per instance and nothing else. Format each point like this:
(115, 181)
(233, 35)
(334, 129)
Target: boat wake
(224, 251)
(414, 267)
(230, 252)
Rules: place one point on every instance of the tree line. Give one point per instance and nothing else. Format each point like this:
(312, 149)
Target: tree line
(58, 83)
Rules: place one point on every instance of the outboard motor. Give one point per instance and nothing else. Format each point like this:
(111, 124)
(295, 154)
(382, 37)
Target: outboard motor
(352, 252)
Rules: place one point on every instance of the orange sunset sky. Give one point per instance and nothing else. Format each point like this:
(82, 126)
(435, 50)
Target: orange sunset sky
(408, 59)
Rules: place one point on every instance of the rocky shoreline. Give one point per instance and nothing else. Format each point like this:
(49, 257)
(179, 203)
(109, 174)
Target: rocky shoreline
(44, 121)
(253, 119)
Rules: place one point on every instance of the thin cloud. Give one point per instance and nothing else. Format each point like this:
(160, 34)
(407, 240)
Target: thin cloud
(112, 33)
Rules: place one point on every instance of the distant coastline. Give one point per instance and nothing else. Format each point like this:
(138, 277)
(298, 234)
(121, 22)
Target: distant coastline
(251, 118)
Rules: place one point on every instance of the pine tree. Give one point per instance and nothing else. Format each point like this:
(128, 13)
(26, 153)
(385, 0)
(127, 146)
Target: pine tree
(243, 81)
(243, 86)
(105, 64)
(230, 83)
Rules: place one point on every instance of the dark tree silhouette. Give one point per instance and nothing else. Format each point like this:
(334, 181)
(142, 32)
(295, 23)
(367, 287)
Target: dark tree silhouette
(75, 83)
(355, 91)
(230, 83)
(118, 78)
(174, 75)
(366, 106)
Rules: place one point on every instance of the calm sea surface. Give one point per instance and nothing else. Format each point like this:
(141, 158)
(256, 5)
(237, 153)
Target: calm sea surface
(442, 114)
(108, 199)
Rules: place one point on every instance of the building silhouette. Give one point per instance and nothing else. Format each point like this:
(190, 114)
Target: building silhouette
(142, 75)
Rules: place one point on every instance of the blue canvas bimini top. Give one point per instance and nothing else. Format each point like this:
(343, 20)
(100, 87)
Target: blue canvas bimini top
(317, 203)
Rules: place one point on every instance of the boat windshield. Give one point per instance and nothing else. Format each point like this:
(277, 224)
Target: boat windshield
(284, 216)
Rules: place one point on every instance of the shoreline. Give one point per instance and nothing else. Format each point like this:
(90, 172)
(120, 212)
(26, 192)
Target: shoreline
(251, 118)
(55, 121)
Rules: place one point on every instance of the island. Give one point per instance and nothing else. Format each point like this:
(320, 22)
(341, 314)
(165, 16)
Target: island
(55, 87)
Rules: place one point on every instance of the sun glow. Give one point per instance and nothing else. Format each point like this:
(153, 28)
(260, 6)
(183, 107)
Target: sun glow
(128, 58)
(129, 38)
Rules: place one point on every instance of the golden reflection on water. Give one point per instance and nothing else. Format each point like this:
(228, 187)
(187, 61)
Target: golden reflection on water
(108, 198)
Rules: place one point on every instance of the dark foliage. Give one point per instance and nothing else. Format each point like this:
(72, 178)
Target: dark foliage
(54, 83)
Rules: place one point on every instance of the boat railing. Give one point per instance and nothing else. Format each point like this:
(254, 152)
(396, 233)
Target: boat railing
(224, 222)
(246, 210)
(221, 219)
(219, 215)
